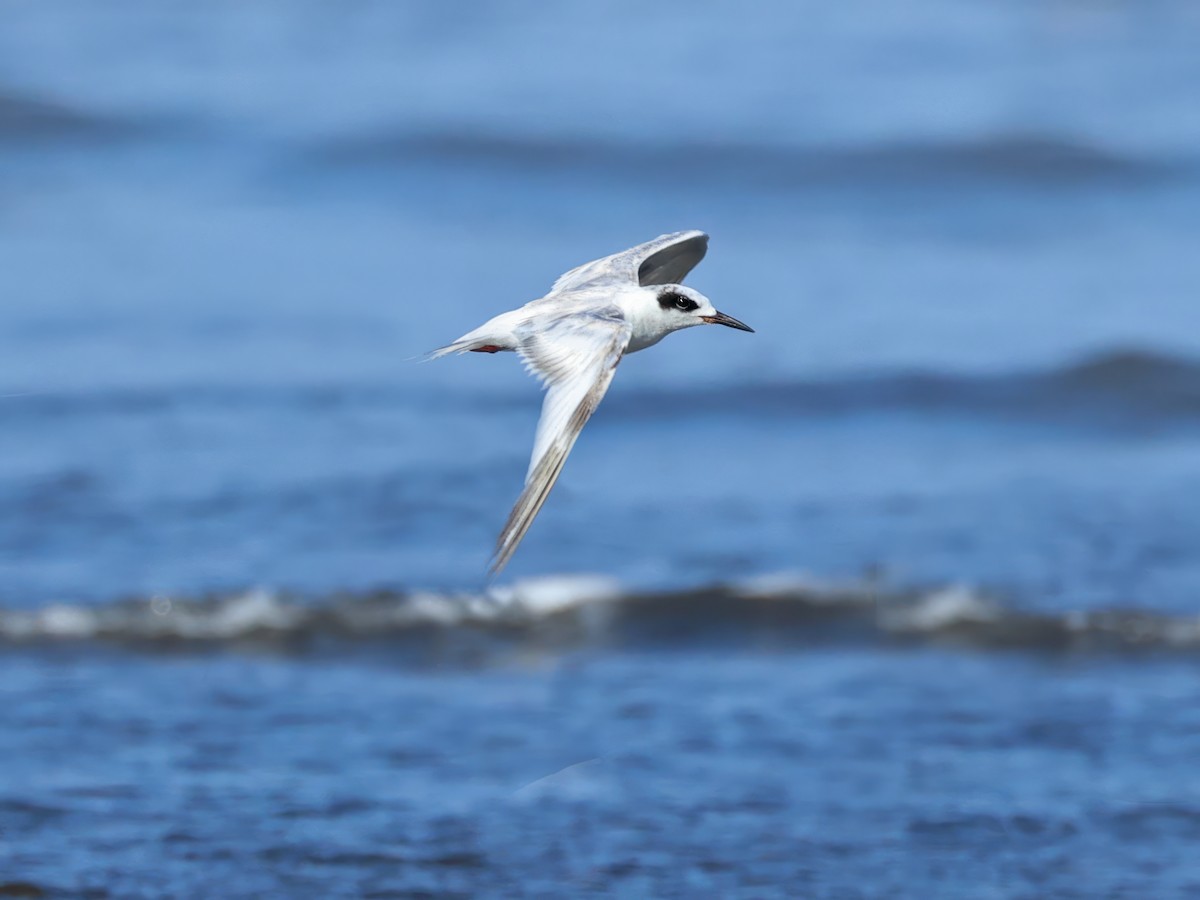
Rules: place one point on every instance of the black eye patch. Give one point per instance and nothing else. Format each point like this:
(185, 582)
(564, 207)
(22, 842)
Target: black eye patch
(676, 301)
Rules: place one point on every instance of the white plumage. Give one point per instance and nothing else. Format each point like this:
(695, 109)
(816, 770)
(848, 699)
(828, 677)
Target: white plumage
(573, 338)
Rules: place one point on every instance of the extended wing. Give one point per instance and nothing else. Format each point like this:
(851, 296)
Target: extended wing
(664, 260)
(576, 357)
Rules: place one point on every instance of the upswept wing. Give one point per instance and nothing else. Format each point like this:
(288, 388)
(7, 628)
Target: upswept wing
(576, 357)
(664, 260)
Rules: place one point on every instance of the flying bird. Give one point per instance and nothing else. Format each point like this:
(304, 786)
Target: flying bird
(573, 338)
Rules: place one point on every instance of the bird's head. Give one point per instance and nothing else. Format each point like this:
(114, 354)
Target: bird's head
(681, 307)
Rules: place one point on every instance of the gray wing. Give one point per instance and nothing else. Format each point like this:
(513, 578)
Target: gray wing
(576, 357)
(664, 260)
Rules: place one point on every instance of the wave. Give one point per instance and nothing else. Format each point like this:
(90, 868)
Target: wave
(571, 613)
(1044, 159)
(1112, 390)
(26, 119)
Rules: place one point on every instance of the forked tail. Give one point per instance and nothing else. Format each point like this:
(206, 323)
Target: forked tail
(490, 337)
(459, 346)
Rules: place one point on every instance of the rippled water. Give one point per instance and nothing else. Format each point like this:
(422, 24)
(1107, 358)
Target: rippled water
(243, 617)
(834, 772)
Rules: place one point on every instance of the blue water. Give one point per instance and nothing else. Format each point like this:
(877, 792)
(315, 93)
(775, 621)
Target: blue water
(258, 777)
(965, 236)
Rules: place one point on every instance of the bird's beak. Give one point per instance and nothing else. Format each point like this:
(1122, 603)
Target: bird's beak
(722, 319)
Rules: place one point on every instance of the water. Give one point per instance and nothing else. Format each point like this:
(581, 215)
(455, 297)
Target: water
(998, 777)
(965, 236)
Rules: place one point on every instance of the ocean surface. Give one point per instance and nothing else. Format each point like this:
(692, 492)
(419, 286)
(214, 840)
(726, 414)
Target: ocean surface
(898, 596)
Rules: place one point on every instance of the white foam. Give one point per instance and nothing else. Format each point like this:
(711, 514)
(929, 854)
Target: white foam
(786, 585)
(435, 609)
(57, 620)
(1183, 632)
(256, 610)
(64, 621)
(941, 609)
(556, 593)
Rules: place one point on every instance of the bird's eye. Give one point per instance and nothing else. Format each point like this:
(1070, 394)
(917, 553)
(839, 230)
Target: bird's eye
(673, 300)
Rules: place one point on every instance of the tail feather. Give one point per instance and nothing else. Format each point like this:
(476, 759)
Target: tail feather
(495, 334)
(459, 346)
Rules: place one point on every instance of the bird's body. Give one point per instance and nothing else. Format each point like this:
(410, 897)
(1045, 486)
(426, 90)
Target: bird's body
(573, 338)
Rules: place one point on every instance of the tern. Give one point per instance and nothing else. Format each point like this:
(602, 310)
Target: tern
(573, 338)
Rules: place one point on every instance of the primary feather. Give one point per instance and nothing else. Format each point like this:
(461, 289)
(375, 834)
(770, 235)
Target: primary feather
(576, 357)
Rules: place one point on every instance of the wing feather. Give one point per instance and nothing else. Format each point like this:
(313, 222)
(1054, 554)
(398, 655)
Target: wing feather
(665, 260)
(576, 356)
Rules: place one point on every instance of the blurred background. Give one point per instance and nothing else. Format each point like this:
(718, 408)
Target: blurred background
(895, 597)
